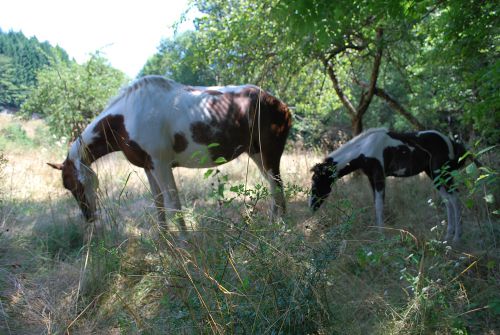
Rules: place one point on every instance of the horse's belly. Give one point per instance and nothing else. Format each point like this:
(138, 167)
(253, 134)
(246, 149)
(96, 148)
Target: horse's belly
(201, 156)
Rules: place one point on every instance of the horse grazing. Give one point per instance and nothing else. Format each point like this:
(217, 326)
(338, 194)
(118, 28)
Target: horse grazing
(380, 153)
(160, 124)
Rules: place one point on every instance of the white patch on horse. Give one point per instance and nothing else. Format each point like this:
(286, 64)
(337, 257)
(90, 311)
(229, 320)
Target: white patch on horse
(371, 144)
(400, 172)
(379, 208)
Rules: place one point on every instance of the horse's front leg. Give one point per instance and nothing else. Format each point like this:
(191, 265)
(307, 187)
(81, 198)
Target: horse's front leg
(158, 198)
(377, 182)
(164, 177)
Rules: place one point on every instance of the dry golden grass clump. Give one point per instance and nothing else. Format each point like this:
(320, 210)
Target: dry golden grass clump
(238, 272)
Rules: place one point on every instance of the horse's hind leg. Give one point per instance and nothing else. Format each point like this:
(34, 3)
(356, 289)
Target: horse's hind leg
(454, 229)
(270, 169)
(455, 201)
(450, 211)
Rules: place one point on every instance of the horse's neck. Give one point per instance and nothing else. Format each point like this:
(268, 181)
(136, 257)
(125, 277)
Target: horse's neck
(97, 140)
(344, 160)
(82, 155)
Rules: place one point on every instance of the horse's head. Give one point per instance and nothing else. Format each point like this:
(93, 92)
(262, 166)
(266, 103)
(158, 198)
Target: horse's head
(82, 185)
(322, 179)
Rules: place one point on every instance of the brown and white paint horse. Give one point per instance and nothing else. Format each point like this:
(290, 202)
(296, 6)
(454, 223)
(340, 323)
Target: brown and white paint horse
(160, 124)
(380, 153)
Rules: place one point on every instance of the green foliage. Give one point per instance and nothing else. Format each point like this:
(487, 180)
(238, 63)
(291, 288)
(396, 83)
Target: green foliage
(182, 60)
(69, 96)
(11, 94)
(439, 59)
(481, 180)
(20, 59)
(60, 241)
(15, 134)
(3, 162)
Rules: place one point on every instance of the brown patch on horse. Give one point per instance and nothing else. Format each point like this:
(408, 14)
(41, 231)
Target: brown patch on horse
(228, 128)
(212, 92)
(71, 183)
(180, 142)
(110, 136)
(234, 125)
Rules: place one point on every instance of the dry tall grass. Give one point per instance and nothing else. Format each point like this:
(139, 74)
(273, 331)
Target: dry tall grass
(328, 273)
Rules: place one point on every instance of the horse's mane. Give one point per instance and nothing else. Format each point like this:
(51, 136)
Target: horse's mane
(152, 80)
(356, 139)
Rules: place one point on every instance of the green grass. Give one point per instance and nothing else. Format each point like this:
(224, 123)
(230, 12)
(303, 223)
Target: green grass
(239, 273)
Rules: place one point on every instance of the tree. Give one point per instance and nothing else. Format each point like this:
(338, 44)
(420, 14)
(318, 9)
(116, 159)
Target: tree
(71, 95)
(11, 94)
(20, 59)
(424, 62)
(181, 59)
(271, 40)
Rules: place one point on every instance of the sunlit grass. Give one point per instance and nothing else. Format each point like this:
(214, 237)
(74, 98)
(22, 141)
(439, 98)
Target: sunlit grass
(238, 272)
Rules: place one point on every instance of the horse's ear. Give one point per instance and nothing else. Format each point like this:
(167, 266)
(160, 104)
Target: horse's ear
(56, 166)
(315, 168)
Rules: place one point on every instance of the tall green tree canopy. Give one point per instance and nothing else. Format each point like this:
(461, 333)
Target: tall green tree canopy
(20, 59)
(431, 62)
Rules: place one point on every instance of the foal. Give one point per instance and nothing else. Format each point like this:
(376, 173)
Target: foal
(159, 124)
(380, 153)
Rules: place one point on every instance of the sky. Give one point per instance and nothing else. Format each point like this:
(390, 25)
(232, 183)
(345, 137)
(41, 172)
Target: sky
(126, 32)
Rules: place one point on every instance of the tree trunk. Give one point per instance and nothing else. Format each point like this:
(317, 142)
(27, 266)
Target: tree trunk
(356, 113)
(357, 124)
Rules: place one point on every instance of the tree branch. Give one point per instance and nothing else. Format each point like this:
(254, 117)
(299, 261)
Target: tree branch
(338, 50)
(394, 104)
(366, 97)
(340, 93)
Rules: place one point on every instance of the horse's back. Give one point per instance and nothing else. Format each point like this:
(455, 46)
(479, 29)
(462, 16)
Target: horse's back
(176, 121)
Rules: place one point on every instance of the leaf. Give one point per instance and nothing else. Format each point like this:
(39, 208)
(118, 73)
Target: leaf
(464, 157)
(469, 203)
(485, 150)
(481, 177)
(220, 160)
(489, 198)
(208, 173)
(495, 306)
(213, 145)
(471, 168)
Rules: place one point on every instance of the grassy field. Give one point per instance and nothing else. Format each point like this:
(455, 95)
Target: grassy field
(239, 273)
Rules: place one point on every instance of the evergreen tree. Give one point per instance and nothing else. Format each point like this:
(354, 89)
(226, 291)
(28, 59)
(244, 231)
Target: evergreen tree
(20, 60)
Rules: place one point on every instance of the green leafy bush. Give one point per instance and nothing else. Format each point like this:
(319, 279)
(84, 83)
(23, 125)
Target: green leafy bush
(69, 96)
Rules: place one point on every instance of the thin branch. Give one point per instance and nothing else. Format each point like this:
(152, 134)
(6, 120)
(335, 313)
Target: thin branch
(340, 93)
(338, 50)
(394, 104)
(367, 97)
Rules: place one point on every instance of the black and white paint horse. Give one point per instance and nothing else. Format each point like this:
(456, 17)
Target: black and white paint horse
(159, 124)
(379, 153)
